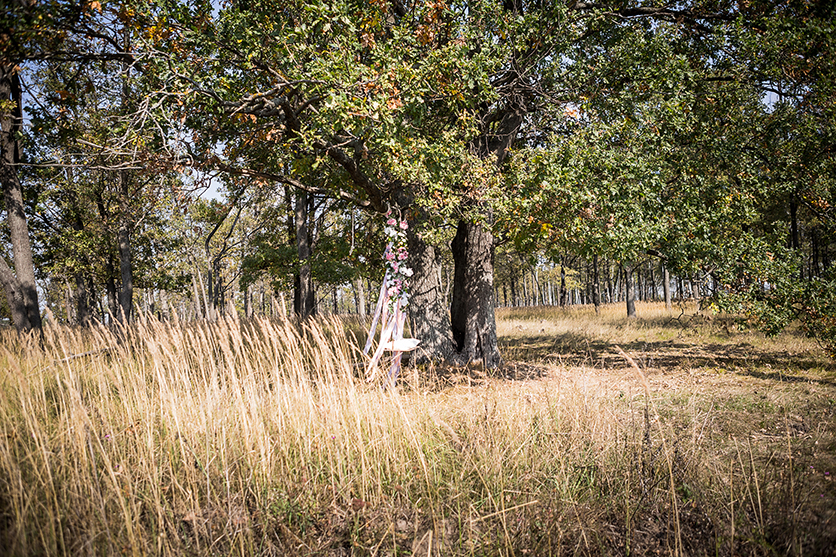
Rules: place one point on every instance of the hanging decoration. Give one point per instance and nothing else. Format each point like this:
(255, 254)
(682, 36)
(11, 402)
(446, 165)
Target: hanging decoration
(391, 305)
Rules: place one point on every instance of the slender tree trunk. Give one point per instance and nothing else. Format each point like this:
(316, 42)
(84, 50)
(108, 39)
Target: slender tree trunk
(596, 285)
(303, 296)
(111, 290)
(653, 289)
(360, 297)
(666, 287)
(629, 293)
(639, 290)
(619, 283)
(198, 304)
(18, 284)
(69, 302)
(695, 289)
(538, 293)
(563, 294)
(126, 290)
(472, 309)
(83, 296)
(245, 294)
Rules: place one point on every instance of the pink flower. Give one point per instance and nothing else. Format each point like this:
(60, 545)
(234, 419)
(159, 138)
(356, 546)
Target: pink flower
(404, 226)
(390, 256)
(394, 267)
(391, 222)
(402, 255)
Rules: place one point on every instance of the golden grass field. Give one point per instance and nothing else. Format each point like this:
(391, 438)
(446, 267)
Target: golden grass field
(262, 438)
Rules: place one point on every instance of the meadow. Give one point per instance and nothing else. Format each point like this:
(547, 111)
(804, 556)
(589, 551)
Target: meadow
(677, 433)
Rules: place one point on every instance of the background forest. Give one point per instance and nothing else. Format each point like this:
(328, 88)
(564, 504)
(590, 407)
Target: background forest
(200, 158)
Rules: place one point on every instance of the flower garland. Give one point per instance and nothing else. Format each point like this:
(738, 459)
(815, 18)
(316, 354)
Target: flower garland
(394, 297)
(398, 273)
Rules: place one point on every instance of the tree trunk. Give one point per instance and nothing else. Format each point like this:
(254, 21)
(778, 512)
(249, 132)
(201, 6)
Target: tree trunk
(629, 293)
(198, 304)
(428, 315)
(19, 285)
(126, 291)
(563, 294)
(248, 305)
(653, 291)
(303, 294)
(638, 290)
(535, 287)
(666, 287)
(359, 297)
(83, 296)
(596, 284)
(110, 287)
(472, 309)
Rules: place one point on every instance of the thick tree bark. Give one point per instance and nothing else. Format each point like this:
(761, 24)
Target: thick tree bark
(19, 285)
(14, 296)
(429, 318)
(472, 308)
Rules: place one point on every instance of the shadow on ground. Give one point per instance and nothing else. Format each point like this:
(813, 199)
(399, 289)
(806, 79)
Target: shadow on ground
(667, 356)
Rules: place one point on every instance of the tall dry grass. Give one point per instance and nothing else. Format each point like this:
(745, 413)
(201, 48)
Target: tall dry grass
(261, 438)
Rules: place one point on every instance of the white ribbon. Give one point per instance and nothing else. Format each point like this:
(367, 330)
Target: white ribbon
(391, 333)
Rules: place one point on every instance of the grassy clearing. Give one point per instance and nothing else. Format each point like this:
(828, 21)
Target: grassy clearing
(261, 438)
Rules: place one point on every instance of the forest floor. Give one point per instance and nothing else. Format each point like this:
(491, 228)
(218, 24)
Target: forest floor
(767, 407)
(676, 433)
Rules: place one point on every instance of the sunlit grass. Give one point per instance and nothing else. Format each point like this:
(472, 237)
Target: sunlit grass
(262, 438)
